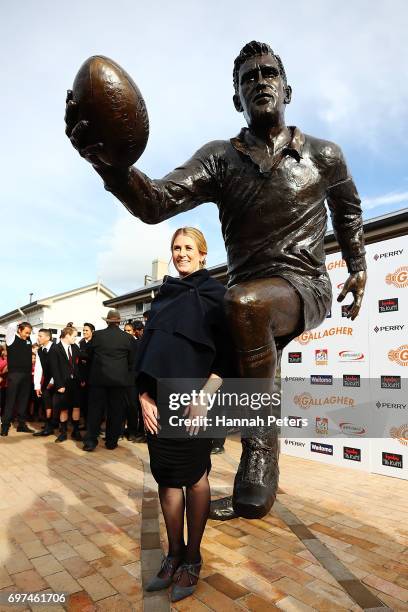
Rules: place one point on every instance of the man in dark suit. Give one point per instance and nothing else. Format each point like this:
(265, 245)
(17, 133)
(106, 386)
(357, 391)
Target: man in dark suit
(63, 362)
(19, 363)
(111, 358)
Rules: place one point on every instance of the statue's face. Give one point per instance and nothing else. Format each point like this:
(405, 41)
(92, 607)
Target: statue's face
(262, 94)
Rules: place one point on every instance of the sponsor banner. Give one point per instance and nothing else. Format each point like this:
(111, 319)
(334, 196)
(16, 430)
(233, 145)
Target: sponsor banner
(371, 350)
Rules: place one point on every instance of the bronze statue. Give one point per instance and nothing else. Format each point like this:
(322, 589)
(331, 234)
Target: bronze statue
(270, 184)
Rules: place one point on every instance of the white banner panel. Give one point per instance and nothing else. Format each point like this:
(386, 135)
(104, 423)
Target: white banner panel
(365, 360)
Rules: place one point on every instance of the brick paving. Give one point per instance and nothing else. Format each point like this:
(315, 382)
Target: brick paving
(88, 524)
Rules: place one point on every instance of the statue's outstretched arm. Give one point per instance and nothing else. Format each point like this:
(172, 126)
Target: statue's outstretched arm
(150, 200)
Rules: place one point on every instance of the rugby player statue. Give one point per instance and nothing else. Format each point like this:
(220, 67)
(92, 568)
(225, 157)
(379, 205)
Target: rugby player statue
(271, 184)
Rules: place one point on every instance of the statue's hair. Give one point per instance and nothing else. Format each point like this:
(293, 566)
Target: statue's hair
(250, 50)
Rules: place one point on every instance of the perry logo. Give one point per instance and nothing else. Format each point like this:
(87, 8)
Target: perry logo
(400, 433)
(399, 278)
(400, 355)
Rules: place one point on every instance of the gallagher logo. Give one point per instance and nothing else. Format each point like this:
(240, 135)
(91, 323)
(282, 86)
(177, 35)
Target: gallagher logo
(324, 449)
(322, 426)
(351, 380)
(388, 328)
(339, 263)
(400, 355)
(352, 454)
(351, 356)
(321, 379)
(400, 433)
(392, 460)
(390, 382)
(304, 400)
(321, 356)
(388, 254)
(388, 305)
(308, 336)
(295, 357)
(399, 278)
(352, 430)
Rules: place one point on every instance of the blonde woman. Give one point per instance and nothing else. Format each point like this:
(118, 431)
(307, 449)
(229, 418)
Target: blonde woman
(186, 337)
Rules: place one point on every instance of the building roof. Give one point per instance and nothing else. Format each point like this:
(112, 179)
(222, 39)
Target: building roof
(27, 308)
(383, 227)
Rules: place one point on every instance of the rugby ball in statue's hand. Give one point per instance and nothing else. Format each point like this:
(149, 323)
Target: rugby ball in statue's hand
(111, 102)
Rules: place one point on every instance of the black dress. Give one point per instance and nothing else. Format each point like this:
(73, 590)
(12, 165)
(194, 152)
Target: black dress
(186, 337)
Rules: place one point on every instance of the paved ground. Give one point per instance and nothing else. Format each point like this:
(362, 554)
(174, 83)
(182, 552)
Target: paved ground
(88, 524)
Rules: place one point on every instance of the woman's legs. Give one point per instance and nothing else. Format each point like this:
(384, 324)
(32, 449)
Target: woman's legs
(197, 508)
(172, 504)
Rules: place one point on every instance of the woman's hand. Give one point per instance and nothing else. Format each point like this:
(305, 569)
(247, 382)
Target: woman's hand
(150, 413)
(195, 411)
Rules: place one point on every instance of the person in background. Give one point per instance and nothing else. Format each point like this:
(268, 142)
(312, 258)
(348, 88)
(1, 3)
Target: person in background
(63, 361)
(3, 377)
(138, 329)
(146, 316)
(19, 357)
(34, 403)
(111, 357)
(132, 400)
(43, 381)
(87, 333)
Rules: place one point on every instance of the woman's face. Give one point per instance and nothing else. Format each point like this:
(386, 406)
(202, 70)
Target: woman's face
(186, 256)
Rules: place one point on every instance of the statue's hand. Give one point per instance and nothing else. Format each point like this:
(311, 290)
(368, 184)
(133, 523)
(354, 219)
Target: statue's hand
(78, 133)
(355, 284)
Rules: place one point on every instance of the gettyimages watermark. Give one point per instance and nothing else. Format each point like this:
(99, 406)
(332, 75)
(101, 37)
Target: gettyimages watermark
(299, 407)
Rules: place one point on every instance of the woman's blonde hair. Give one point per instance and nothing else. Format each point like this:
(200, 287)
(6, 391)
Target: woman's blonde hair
(197, 236)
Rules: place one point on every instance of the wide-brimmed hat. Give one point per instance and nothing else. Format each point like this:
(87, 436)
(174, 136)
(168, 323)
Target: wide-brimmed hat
(113, 316)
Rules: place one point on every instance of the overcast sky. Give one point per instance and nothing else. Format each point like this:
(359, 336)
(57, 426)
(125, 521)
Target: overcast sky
(347, 63)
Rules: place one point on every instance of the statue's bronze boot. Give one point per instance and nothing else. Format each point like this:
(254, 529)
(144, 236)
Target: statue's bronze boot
(256, 481)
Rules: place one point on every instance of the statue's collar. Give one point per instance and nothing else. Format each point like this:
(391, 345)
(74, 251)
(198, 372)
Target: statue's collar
(260, 154)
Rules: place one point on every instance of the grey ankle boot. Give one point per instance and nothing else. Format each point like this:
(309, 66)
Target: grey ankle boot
(180, 592)
(169, 564)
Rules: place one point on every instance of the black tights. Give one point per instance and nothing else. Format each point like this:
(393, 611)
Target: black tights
(197, 506)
